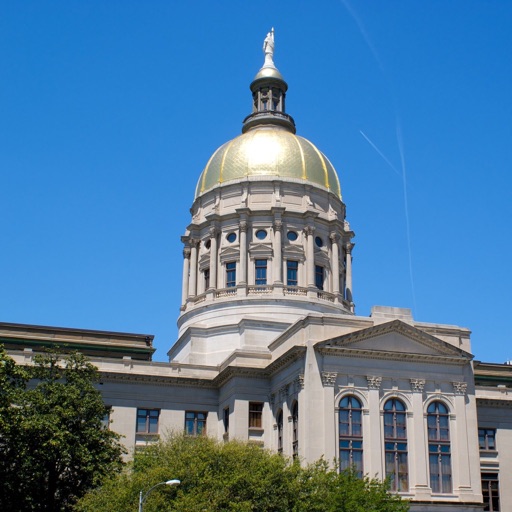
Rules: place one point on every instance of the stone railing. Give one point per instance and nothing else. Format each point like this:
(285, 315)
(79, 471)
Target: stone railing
(225, 292)
(259, 289)
(326, 296)
(295, 290)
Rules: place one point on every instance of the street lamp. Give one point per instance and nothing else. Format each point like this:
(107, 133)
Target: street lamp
(142, 498)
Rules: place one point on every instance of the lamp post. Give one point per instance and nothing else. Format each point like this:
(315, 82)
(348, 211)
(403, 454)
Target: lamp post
(142, 497)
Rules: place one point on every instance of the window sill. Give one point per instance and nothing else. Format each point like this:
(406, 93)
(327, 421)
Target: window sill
(256, 429)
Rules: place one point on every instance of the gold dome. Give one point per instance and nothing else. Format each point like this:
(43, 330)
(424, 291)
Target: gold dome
(269, 151)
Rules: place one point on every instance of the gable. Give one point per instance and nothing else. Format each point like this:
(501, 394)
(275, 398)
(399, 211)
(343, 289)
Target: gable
(394, 339)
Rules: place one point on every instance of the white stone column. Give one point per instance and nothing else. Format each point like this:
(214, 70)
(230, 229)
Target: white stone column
(348, 280)
(335, 264)
(192, 284)
(243, 253)
(278, 252)
(186, 269)
(310, 256)
(374, 448)
(459, 439)
(418, 444)
(213, 257)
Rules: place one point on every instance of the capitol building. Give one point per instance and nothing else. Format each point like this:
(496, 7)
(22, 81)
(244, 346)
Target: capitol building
(270, 349)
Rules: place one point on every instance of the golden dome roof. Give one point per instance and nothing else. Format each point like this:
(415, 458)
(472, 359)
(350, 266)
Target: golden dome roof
(270, 151)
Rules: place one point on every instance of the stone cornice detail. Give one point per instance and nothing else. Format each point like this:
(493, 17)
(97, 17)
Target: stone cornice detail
(491, 402)
(157, 380)
(329, 378)
(287, 358)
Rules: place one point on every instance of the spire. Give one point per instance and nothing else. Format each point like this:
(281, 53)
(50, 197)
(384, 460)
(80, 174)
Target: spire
(268, 93)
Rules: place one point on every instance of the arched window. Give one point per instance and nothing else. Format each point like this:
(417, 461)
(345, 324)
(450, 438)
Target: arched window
(295, 429)
(280, 431)
(395, 445)
(439, 448)
(351, 434)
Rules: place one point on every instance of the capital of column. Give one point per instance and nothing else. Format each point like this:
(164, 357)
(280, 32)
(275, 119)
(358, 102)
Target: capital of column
(348, 247)
(373, 382)
(309, 230)
(278, 225)
(244, 225)
(213, 231)
(334, 237)
(417, 385)
(194, 242)
(186, 252)
(460, 387)
(329, 378)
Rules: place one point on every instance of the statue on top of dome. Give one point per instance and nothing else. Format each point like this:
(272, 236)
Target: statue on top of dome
(268, 49)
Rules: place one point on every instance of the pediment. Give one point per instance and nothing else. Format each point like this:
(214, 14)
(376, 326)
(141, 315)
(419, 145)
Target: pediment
(229, 253)
(394, 338)
(293, 252)
(260, 249)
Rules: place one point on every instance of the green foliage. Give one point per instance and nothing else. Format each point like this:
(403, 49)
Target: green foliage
(235, 477)
(53, 445)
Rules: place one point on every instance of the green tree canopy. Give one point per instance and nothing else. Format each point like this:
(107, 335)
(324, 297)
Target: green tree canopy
(235, 477)
(53, 443)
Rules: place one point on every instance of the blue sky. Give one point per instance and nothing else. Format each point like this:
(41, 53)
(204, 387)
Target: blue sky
(110, 110)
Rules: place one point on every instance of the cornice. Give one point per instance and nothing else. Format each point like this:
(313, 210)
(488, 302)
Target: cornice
(158, 380)
(494, 402)
(391, 356)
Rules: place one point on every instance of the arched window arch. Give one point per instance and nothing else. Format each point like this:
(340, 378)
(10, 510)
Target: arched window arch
(295, 429)
(280, 431)
(351, 434)
(439, 447)
(395, 444)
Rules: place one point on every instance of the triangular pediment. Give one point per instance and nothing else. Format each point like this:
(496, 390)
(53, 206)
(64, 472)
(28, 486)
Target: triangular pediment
(259, 249)
(229, 253)
(293, 252)
(394, 338)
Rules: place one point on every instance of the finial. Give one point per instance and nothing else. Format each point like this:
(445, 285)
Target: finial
(268, 49)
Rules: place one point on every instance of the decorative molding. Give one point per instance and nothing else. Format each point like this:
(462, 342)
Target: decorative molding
(329, 378)
(417, 385)
(374, 382)
(283, 392)
(460, 388)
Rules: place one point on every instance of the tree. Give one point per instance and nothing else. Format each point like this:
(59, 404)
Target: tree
(53, 443)
(235, 477)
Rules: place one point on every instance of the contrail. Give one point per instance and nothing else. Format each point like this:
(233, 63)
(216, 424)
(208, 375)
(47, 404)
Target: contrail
(380, 153)
(406, 208)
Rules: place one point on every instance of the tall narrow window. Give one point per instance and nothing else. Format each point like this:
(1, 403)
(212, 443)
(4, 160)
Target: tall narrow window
(395, 444)
(230, 274)
(147, 421)
(225, 420)
(491, 492)
(261, 272)
(319, 277)
(255, 415)
(292, 268)
(351, 434)
(206, 278)
(439, 448)
(295, 429)
(487, 439)
(195, 423)
(280, 431)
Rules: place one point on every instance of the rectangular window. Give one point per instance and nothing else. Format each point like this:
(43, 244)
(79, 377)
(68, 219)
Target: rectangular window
(261, 272)
(231, 274)
(292, 268)
(490, 492)
(195, 423)
(487, 438)
(255, 415)
(225, 420)
(206, 278)
(147, 421)
(319, 277)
